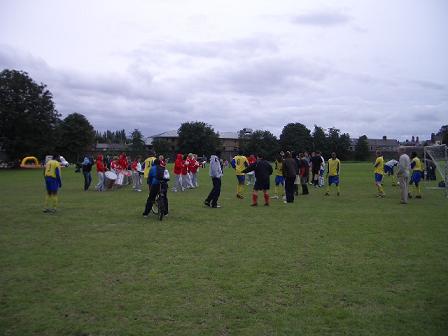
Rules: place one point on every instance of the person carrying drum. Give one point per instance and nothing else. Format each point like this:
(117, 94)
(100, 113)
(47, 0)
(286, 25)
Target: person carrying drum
(159, 184)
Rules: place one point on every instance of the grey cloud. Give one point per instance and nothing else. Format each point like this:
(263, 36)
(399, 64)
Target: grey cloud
(224, 49)
(429, 85)
(322, 18)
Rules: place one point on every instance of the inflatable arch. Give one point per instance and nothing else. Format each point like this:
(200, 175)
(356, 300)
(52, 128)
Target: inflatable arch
(25, 162)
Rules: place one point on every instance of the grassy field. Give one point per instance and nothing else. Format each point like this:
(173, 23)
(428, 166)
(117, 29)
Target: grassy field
(348, 265)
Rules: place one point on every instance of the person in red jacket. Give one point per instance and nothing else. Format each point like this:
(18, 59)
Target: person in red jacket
(100, 169)
(177, 170)
(193, 167)
(186, 184)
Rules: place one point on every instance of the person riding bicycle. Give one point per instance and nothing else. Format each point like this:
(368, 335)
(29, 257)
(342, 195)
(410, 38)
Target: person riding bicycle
(158, 181)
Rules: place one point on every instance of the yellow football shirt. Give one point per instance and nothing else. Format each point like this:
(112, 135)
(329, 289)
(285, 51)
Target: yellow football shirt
(334, 165)
(379, 165)
(148, 164)
(241, 163)
(51, 167)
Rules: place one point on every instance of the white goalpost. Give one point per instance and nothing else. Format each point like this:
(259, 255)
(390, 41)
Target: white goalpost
(438, 154)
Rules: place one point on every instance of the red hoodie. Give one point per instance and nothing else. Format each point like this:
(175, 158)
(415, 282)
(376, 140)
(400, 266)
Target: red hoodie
(193, 166)
(100, 167)
(178, 164)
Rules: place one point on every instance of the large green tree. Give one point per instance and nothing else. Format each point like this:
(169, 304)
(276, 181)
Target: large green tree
(339, 143)
(262, 142)
(27, 116)
(76, 135)
(137, 142)
(162, 146)
(320, 141)
(296, 137)
(362, 148)
(198, 137)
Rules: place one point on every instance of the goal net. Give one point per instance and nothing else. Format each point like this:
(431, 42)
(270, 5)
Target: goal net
(437, 155)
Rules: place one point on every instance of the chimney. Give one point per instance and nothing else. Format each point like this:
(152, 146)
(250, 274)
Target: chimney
(417, 140)
(384, 137)
(413, 139)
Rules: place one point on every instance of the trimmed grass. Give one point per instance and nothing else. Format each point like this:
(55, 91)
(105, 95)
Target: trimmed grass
(348, 265)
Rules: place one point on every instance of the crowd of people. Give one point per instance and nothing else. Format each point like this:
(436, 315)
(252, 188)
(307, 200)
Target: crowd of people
(291, 171)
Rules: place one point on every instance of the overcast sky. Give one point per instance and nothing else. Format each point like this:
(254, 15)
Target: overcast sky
(374, 67)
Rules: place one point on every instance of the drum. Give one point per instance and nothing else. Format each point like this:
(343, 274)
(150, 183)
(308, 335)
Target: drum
(120, 177)
(110, 178)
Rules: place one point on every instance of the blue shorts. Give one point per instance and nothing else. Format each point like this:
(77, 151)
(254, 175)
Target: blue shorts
(279, 180)
(241, 178)
(333, 180)
(389, 170)
(51, 183)
(416, 176)
(378, 177)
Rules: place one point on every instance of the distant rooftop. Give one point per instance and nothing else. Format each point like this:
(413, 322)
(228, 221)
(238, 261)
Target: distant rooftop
(173, 134)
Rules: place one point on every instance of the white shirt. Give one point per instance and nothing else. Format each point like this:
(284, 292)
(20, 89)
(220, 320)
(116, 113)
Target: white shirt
(404, 165)
(391, 163)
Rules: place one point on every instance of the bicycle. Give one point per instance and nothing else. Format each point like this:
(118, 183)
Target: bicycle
(158, 208)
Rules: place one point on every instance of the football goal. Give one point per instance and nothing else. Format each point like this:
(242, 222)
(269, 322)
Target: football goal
(438, 155)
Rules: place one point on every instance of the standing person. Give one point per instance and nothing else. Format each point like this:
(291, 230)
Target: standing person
(136, 168)
(147, 164)
(177, 170)
(215, 174)
(417, 173)
(304, 172)
(289, 172)
(263, 171)
(100, 170)
(279, 178)
(389, 170)
(86, 172)
(158, 183)
(186, 182)
(378, 170)
(404, 164)
(251, 175)
(53, 182)
(321, 171)
(334, 167)
(316, 162)
(193, 167)
(239, 163)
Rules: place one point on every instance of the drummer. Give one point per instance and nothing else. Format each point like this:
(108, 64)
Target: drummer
(100, 169)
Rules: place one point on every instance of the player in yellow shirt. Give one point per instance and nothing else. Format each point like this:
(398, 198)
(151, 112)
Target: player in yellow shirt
(52, 176)
(333, 169)
(378, 169)
(417, 173)
(279, 178)
(148, 164)
(239, 163)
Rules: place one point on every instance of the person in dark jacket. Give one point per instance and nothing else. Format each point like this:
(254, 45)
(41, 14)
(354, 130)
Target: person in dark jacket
(304, 170)
(86, 171)
(263, 170)
(289, 172)
(158, 183)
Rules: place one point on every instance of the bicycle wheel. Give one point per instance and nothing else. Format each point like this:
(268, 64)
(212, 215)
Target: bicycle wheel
(161, 206)
(155, 207)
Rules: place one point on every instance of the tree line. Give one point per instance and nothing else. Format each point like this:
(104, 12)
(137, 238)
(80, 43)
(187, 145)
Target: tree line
(31, 125)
